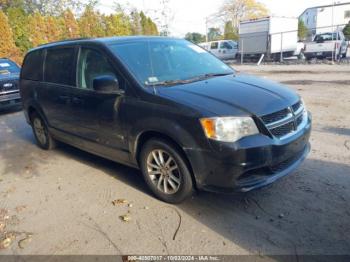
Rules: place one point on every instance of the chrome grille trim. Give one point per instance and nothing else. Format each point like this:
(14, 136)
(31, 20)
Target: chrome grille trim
(281, 122)
(8, 92)
(294, 120)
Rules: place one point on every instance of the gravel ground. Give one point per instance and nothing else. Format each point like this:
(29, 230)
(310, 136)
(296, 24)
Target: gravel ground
(60, 202)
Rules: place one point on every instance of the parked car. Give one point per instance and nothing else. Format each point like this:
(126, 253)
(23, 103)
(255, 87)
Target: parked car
(223, 49)
(326, 45)
(168, 107)
(9, 89)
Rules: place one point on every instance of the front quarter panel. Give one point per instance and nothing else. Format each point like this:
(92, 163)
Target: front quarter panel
(175, 121)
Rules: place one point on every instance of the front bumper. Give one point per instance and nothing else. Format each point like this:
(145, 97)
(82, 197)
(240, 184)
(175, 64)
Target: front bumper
(9, 99)
(250, 163)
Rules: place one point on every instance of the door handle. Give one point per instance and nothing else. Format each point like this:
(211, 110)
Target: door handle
(65, 99)
(77, 101)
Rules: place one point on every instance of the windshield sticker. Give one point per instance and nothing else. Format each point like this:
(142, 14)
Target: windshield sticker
(153, 79)
(4, 65)
(197, 48)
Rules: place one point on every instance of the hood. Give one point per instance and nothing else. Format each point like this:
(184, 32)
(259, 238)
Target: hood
(239, 94)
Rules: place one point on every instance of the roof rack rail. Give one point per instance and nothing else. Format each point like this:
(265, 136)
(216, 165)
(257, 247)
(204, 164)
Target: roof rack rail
(67, 40)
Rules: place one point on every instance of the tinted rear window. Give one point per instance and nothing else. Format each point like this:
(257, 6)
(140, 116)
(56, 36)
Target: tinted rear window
(60, 66)
(33, 66)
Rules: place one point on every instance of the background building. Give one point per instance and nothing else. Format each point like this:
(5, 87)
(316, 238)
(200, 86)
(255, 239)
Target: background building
(319, 19)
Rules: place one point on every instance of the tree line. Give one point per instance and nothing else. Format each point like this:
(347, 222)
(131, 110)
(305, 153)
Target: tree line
(230, 14)
(25, 24)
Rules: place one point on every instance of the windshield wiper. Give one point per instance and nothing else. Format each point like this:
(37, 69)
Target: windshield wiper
(168, 83)
(216, 74)
(186, 81)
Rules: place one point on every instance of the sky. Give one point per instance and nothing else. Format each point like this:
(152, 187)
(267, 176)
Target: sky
(190, 15)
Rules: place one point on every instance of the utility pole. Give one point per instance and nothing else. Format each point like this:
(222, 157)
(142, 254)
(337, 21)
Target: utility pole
(333, 49)
(206, 30)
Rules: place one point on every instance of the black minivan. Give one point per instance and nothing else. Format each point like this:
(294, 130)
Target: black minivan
(168, 107)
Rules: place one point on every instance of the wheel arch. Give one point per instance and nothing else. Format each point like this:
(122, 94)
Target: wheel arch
(33, 108)
(145, 136)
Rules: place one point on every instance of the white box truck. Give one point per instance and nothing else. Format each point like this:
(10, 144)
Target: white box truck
(269, 36)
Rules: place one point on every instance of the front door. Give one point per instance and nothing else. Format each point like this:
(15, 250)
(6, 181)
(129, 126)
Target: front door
(96, 116)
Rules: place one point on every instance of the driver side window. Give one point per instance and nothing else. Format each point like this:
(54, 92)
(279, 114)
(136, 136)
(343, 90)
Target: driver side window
(92, 64)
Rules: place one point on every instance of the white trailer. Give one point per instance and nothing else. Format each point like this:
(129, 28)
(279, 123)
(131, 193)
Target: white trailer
(270, 36)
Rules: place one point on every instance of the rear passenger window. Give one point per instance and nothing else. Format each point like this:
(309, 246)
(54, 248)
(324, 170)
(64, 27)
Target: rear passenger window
(33, 66)
(60, 66)
(214, 45)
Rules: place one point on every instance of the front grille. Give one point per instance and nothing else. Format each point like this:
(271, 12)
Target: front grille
(296, 106)
(299, 120)
(283, 130)
(8, 85)
(286, 121)
(274, 117)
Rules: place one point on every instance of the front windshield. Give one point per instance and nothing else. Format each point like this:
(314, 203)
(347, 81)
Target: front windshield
(164, 61)
(8, 67)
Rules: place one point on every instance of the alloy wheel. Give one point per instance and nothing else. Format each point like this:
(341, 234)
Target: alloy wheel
(163, 171)
(39, 130)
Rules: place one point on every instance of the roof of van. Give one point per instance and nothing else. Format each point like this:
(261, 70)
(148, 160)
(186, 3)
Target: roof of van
(104, 40)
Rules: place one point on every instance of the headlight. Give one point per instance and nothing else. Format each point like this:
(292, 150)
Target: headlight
(228, 129)
(304, 105)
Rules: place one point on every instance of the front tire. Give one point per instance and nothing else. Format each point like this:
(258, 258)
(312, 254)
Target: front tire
(165, 171)
(41, 133)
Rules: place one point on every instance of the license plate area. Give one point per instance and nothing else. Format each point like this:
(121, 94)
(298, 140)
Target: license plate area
(289, 151)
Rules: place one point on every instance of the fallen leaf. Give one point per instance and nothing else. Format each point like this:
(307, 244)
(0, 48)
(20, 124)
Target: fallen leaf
(6, 242)
(119, 202)
(125, 218)
(23, 242)
(20, 208)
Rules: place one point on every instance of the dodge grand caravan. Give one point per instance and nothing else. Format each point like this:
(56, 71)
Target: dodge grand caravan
(168, 107)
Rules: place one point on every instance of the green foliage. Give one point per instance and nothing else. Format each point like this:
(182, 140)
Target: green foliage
(91, 23)
(195, 38)
(302, 30)
(117, 25)
(214, 34)
(70, 25)
(135, 20)
(346, 31)
(143, 25)
(230, 33)
(25, 24)
(18, 20)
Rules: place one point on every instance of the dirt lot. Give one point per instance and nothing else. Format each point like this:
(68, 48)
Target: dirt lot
(60, 202)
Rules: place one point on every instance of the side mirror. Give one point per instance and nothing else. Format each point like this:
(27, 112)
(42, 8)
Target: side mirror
(106, 84)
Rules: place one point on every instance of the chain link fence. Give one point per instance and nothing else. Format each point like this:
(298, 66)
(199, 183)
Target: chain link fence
(318, 43)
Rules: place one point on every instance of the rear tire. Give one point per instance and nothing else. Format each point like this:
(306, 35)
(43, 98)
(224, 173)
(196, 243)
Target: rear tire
(41, 133)
(165, 171)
